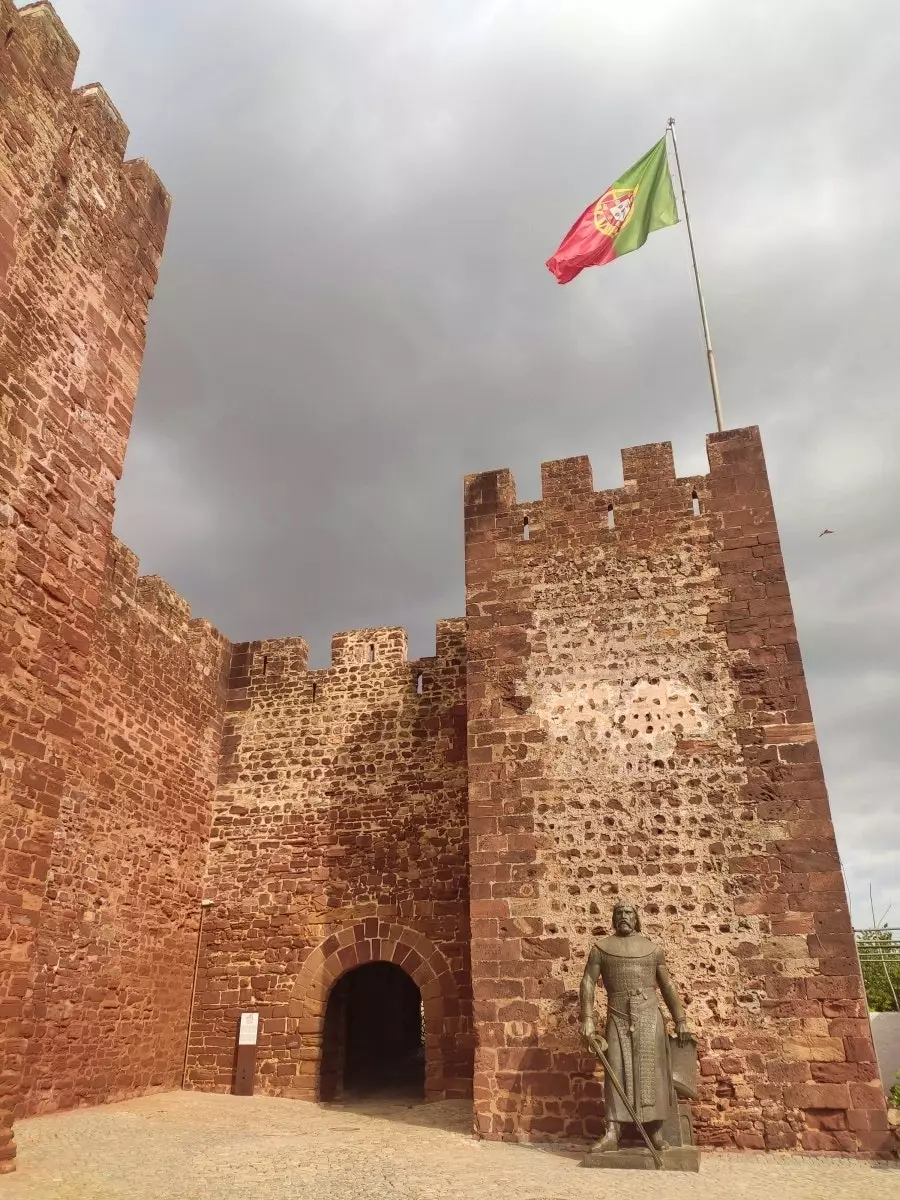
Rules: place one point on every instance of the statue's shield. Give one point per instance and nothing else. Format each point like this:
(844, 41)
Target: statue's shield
(685, 1070)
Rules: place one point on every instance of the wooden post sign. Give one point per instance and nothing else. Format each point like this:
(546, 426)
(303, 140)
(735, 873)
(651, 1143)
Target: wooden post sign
(245, 1054)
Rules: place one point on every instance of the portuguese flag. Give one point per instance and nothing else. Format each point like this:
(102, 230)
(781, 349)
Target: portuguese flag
(637, 203)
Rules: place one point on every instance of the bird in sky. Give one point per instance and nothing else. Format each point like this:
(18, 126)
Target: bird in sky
(824, 531)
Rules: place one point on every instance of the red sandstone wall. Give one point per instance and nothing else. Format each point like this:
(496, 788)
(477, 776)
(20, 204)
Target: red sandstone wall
(340, 838)
(81, 235)
(114, 961)
(639, 725)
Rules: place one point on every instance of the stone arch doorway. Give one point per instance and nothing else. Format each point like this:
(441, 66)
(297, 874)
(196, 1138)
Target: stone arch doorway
(447, 1034)
(373, 1037)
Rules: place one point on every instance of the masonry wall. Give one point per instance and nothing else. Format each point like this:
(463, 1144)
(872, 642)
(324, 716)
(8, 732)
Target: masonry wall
(114, 960)
(639, 727)
(81, 233)
(340, 838)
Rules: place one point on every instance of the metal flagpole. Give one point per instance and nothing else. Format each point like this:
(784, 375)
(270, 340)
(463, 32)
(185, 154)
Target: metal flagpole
(670, 128)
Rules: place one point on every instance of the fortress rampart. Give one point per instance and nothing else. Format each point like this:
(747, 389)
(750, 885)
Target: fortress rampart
(621, 712)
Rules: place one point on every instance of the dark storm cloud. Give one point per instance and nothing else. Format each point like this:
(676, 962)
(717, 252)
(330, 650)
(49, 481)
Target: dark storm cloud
(353, 309)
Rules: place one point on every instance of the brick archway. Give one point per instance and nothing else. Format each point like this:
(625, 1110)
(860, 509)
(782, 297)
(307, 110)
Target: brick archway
(367, 942)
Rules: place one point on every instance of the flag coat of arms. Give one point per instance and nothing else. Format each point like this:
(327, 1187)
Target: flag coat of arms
(638, 202)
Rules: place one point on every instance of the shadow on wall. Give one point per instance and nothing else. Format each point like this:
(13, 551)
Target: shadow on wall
(344, 823)
(398, 846)
(572, 1077)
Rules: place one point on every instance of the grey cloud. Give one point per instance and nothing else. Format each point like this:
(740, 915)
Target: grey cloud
(353, 310)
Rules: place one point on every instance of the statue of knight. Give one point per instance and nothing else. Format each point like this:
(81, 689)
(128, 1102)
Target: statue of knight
(635, 1052)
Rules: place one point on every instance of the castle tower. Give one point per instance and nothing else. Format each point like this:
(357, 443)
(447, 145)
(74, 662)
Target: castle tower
(81, 233)
(623, 712)
(639, 726)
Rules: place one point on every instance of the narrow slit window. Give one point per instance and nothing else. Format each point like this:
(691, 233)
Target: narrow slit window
(526, 530)
(610, 517)
(265, 663)
(695, 503)
(419, 683)
(371, 653)
(313, 692)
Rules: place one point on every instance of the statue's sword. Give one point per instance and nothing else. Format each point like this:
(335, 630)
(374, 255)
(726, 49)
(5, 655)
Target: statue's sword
(657, 1157)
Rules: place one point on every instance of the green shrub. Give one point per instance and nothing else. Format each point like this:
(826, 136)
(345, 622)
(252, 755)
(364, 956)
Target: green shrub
(880, 957)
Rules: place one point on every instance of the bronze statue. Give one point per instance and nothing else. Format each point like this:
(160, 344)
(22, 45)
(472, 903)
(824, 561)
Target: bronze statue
(635, 1048)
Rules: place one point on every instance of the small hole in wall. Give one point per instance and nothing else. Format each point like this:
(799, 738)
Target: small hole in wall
(419, 683)
(695, 502)
(610, 517)
(526, 530)
(371, 653)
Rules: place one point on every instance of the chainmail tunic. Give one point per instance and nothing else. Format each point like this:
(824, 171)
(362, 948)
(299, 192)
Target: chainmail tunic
(638, 1044)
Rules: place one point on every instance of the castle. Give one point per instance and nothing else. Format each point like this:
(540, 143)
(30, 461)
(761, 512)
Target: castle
(621, 711)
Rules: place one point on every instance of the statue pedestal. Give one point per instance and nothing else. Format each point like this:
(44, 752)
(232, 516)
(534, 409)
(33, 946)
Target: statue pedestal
(633, 1155)
(633, 1158)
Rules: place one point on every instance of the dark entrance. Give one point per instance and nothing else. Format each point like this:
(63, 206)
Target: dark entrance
(374, 1042)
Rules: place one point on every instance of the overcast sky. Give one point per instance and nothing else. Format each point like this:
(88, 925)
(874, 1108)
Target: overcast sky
(353, 309)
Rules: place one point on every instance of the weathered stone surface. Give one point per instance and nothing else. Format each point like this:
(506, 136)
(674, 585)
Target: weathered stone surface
(187, 1144)
(623, 711)
(340, 838)
(665, 754)
(113, 964)
(81, 234)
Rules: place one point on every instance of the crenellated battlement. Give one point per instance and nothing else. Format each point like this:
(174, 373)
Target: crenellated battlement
(122, 570)
(99, 119)
(268, 661)
(569, 503)
(450, 639)
(150, 599)
(35, 35)
(387, 645)
(78, 136)
(274, 661)
(390, 645)
(163, 604)
(567, 481)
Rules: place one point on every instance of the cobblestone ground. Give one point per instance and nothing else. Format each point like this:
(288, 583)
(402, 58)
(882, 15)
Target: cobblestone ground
(191, 1146)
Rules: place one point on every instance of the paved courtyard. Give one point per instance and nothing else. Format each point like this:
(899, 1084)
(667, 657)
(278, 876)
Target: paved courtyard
(191, 1146)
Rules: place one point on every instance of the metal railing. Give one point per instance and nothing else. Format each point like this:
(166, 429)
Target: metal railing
(877, 947)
